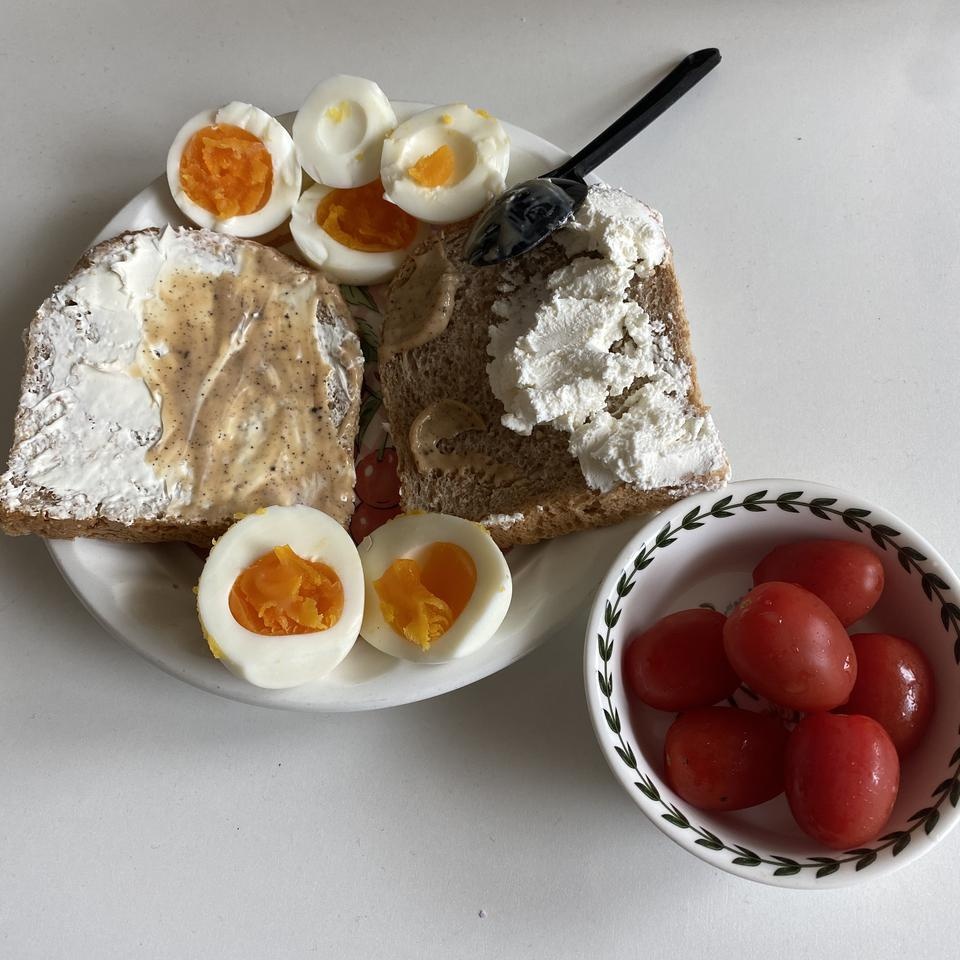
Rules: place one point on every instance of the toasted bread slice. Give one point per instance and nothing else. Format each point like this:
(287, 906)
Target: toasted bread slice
(539, 489)
(176, 378)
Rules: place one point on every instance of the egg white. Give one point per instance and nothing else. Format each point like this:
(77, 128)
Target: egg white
(343, 151)
(283, 661)
(481, 151)
(287, 176)
(338, 261)
(405, 536)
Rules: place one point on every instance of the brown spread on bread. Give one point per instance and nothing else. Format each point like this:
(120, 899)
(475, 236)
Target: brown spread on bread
(249, 400)
(444, 420)
(420, 305)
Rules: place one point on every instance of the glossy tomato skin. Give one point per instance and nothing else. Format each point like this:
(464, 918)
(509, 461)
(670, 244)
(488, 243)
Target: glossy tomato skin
(842, 778)
(847, 577)
(679, 662)
(788, 646)
(895, 687)
(724, 758)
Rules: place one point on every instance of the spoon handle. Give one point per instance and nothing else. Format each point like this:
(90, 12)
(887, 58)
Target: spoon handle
(688, 72)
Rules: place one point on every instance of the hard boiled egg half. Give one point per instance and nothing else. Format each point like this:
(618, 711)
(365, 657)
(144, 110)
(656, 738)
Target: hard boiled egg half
(281, 596)
(446, 163)
(354, 235)
(437, 587)
(339, 131)
(234, 170)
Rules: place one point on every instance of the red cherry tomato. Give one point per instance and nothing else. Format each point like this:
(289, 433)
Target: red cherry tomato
(679, 662)
(894, 686)
(723, 758)
(378, 483)
(788, 646)
(847, 577)
(842, 775)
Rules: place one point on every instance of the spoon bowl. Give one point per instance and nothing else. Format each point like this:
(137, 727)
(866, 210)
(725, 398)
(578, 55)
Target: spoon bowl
(523, 217)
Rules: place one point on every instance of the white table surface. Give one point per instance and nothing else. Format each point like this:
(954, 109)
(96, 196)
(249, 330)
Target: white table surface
(810, 189)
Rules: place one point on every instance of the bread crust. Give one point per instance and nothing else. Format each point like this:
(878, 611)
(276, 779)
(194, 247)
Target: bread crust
(201, 533)
(550, 497)
(17, 521)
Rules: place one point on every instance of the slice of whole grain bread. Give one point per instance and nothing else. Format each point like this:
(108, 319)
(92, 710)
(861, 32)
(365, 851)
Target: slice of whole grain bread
(29, 506)
(548, 495)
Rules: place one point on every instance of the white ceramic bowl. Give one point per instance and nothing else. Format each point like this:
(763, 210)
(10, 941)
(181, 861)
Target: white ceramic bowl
(702, 551)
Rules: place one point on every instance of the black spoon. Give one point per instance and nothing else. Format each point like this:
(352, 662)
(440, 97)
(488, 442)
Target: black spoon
(525, 215)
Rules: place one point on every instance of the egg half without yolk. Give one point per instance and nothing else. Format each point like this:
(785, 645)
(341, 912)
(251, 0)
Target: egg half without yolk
(281, 594)
(421, 599)
(361, 219)
(226, 170)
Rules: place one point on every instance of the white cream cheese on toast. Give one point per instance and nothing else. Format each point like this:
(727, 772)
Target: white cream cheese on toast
(574, 350)
(180, 373)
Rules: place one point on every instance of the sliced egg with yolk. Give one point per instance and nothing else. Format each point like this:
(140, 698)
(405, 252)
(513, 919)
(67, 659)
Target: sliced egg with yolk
(339, 131)
(234, 170)
(354, 235)
(281, 596)
(437, 587)
(444, 164)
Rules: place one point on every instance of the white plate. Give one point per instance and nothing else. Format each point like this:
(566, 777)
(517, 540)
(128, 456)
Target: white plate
(143, 593)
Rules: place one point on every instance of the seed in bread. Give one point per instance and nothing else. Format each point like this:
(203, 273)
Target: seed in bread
(177, 378)
(576, 360)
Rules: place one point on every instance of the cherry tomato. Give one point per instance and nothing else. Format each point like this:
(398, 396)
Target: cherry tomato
(724, 758)
(788, 646)
(894, 686)
(847, 577)
(679, 662)
(842, 778)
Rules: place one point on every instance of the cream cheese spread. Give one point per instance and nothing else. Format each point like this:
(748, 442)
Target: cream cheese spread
(86, 418)
(503, 519)
(573, 350)
(181, 374)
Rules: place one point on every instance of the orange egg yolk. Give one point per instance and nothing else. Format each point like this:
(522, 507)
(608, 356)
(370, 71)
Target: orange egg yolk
(361, 219)
(421, 599)
(227, 171)
(434, 169)
(281, 593)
